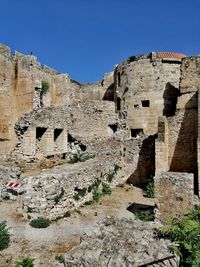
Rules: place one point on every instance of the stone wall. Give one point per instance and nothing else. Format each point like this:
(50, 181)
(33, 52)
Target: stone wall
(88, 123)
(142, 86)
(21, 78)
(65, 188)
(174, 192)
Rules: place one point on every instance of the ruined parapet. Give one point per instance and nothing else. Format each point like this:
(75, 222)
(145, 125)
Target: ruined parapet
(174, 194)
(190, 78)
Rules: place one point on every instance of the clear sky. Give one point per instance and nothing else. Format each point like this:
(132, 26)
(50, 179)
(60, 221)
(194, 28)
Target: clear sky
(86, 38)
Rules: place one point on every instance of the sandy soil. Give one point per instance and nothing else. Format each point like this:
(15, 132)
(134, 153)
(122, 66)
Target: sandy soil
(61, 236)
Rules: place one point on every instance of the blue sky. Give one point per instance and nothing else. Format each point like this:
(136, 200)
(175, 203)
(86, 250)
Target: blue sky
(86, 38)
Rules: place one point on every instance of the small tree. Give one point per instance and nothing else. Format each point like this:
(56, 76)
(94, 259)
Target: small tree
(4, 236)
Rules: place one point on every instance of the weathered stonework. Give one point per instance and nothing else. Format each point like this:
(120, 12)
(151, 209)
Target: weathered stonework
(143, 116)
(174, 194)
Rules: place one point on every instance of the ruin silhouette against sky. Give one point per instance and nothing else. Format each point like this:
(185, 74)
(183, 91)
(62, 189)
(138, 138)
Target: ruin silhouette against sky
(87, 38)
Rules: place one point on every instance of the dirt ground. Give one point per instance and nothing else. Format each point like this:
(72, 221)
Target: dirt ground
(63, 235)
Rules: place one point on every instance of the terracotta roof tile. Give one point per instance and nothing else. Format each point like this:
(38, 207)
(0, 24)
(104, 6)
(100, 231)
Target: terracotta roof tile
(169, 55)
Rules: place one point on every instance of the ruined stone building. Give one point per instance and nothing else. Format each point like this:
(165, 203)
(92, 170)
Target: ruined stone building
(140, 121)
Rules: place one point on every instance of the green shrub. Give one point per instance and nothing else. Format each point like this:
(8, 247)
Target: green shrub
(144, 215)
(150, 190)
(110, 177)
(116, 168)
(60, 259)
(96, 195)
(45, 87)
(24, 262)
(80, 158)
(6, 197)
(185, 232)
(106, 190)
(4, 236)
(40, 223)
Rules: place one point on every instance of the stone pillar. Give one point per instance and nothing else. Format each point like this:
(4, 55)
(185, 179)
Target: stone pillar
(60, 140)
(46, 144)
(162, 142)
(29, 142)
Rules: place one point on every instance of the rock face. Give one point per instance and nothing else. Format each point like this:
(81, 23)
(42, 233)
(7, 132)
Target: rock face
(120, 243)
(143, 116)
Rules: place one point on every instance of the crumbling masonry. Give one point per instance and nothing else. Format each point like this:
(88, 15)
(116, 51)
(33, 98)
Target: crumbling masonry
(140, 121)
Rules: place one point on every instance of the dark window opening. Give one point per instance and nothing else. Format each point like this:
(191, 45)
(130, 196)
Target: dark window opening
(118, 79)
(145, 103)
(170, 100)
(40, 132)
(70, 139)
(136, 132)
(136, 106)
(57, 133)
(113, 127)
(118, 103)
(109, 93)
(82, 147)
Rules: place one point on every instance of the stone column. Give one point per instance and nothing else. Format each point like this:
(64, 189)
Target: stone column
(29, 142)
(60, 140)
(46, 144)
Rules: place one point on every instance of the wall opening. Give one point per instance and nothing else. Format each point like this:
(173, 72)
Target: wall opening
(113, 127)
(136, 106)
(136, 132)
(145, 103)
(70, 139)
(170, 100)
(76, 143)
(40, 131)
(109, 93)
(118, 103)
(57, 133)
(82, 147)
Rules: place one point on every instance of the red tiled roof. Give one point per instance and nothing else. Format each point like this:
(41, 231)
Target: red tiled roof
(169, 55)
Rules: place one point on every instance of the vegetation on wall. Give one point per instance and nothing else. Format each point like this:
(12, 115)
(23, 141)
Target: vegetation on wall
(45, 86)
(4, 235)
(185, 232)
